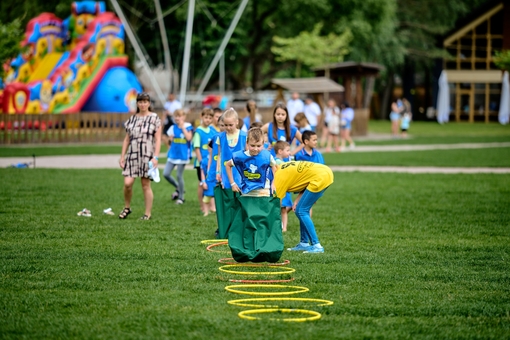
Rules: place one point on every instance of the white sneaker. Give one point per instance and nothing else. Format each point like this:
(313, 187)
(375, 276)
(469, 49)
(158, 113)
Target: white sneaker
(352, 146)
(179, 201)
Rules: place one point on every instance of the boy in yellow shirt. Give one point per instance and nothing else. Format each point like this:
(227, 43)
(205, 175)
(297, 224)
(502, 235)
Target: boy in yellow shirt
(310, 180)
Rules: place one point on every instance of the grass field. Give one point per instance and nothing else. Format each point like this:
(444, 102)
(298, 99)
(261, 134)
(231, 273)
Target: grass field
(407, 256)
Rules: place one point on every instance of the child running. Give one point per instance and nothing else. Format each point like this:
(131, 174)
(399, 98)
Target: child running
(254, 166)
(282, 150)
(180, 135)
(203, 135)
(309, 152)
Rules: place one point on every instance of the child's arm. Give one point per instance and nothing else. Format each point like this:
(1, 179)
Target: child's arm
(273, 188)
(228, 168)
(188, 134)
(203, 183)
(218, 163)
(296, 201)
(301, 144)
(196, 145)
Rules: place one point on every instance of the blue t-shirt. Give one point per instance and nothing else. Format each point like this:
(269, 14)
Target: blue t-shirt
(253, 169)
(315, 157)
(280, 136)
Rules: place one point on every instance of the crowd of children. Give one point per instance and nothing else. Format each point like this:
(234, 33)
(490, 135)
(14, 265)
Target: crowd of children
(244, 155)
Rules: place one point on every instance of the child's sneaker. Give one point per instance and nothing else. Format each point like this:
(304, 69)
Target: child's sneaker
(314, 250)
(175, 195)
(300, 247)
(179, 201)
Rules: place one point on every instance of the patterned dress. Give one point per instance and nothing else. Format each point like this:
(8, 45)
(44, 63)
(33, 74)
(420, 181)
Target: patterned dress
(142, 139)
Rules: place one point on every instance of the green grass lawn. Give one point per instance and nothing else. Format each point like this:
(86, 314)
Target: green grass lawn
(486, 157)
(420, 133)
(407, 256)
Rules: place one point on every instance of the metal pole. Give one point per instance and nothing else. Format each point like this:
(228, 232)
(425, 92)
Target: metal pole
(164, 39)
(222, 73)
(224, 43)
(138, 51)
(187, 48)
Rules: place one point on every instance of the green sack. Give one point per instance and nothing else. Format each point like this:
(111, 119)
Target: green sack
(256, 232)
(226, 208)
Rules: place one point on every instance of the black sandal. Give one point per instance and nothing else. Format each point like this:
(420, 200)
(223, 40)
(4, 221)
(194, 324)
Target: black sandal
(145, 218)
(124, 213)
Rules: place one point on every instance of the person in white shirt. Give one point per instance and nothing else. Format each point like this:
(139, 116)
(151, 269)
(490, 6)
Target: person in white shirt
(294, 106)
(312, 112)
(170, 107)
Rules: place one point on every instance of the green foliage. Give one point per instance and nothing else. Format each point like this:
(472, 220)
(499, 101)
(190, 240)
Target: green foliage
(312, 49)
(502, 59)
(12, 35)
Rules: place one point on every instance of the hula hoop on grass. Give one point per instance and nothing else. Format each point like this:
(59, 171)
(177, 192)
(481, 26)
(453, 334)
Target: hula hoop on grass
(230, 260)
(241, 302)
(209, 247)
(213, 241)
(262, 281)
(315, 315)
(286, 270)
(298, 289)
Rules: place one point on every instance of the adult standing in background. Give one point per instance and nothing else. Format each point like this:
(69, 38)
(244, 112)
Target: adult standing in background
(294, 106)
(141, 146)
(170, 106)
(312, 112)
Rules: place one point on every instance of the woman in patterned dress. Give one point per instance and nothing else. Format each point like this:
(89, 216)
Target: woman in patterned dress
(141, 146)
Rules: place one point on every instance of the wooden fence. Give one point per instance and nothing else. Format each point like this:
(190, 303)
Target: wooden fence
(63, 128)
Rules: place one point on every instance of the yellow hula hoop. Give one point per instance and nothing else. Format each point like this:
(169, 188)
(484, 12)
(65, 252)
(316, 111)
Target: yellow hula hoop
(315, 315)
(233, 289)
(284, 270)
(213, 241)
(241, 302)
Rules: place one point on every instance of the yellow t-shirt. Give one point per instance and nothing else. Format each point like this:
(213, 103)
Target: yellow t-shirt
(298, 176)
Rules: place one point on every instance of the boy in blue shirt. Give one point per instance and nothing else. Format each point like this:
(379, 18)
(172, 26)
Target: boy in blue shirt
(254, 165)
(309, 152)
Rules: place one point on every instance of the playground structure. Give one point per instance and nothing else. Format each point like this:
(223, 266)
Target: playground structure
(72, 65)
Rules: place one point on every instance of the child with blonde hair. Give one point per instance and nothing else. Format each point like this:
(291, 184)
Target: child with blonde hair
(229, 141)
(178, 155)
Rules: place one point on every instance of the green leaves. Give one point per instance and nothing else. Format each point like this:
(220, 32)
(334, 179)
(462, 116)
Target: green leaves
(502, 59)
(311, 49)
(12, 35)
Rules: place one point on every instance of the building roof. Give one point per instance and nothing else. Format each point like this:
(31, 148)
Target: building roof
(307, 85)
(348, 68)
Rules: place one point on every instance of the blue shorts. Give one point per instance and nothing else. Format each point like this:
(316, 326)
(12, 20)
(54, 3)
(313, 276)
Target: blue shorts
(287, 201)
(346, 126)
(394, 116)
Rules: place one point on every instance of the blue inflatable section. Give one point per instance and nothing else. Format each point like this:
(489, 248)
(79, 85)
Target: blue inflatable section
(116, 92)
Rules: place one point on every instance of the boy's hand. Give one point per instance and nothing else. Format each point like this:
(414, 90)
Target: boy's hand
(204, 186)
(235, 187)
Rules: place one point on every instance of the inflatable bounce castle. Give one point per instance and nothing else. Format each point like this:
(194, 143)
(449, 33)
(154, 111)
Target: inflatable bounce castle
(72, 65)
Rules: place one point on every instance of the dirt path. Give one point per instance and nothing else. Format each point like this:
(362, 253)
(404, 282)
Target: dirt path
(111, 161)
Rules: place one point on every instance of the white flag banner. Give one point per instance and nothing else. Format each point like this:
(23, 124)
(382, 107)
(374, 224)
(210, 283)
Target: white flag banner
(443, 100)
(504, 104)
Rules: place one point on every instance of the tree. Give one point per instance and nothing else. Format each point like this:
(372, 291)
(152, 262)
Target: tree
(12, 35)
(311, 49)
